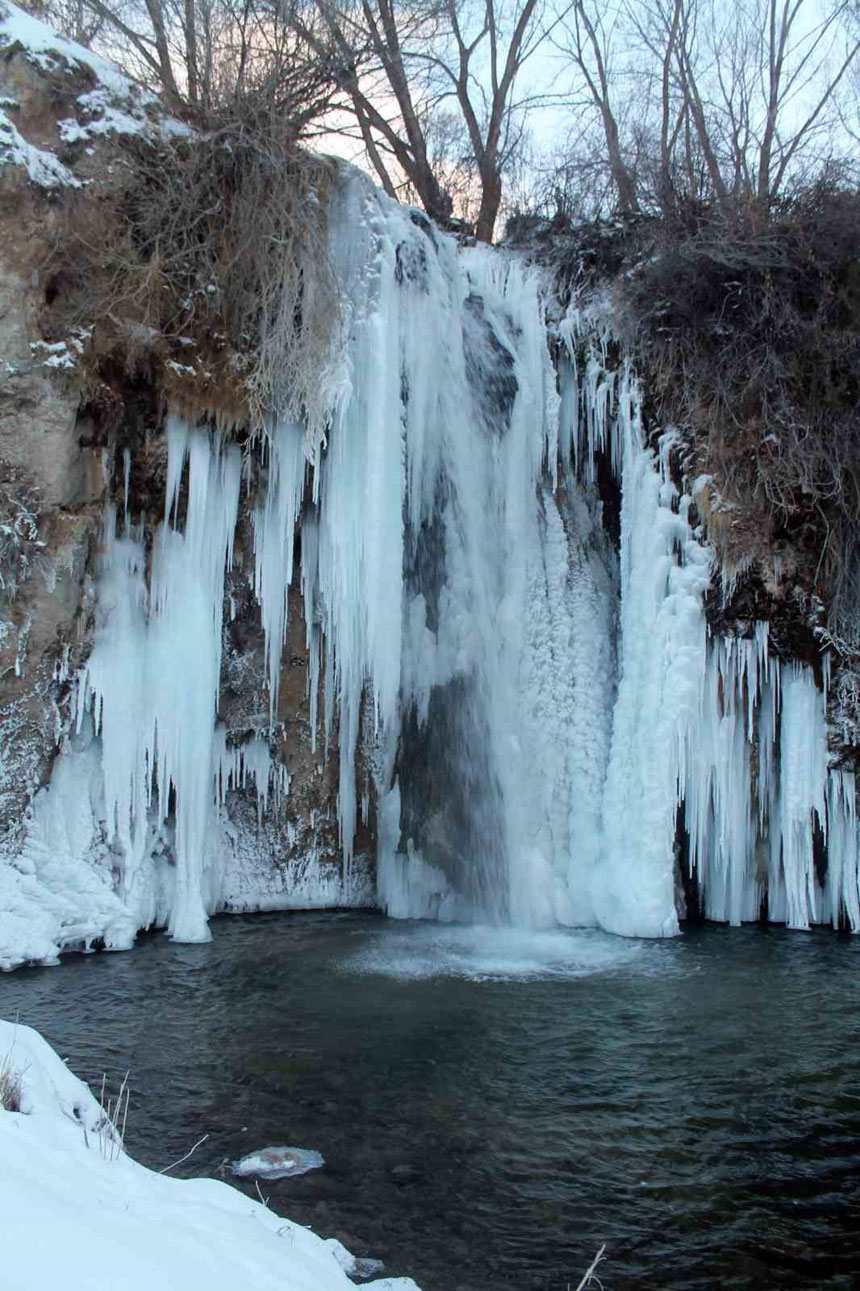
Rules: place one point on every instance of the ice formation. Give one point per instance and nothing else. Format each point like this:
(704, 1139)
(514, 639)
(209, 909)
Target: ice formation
(548, 727)
(718, 747)
(277, 1163)
(152, 681)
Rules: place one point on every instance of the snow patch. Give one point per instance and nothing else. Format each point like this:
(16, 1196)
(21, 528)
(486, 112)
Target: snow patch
(111, 1221)
(43, 168)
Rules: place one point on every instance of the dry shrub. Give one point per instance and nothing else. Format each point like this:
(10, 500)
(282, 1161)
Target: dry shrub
(748, 336)
(10, 1087)
(206, 271)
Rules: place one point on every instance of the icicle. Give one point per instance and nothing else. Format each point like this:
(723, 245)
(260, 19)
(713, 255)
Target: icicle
(274, 540)
(720, 813)
(842, 897)
(177, 446)
(602, 400)
(152, 678)
(235, 766)
(802, 786)
(126, 463)
(662, 664)
(310, 579)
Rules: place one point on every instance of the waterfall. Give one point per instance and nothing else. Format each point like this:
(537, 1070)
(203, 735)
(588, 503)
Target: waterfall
(552, 735)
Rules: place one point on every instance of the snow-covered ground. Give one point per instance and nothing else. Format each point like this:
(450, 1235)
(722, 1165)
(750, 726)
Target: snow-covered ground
(78, 1212)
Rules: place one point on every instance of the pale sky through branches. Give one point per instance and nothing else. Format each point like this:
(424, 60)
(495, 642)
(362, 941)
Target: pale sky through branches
(606, 105)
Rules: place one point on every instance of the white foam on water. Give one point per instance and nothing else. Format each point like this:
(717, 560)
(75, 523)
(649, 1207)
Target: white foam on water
(489, 954)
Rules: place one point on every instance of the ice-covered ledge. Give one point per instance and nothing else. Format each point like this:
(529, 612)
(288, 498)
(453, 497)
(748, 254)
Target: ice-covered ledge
(78, 1212)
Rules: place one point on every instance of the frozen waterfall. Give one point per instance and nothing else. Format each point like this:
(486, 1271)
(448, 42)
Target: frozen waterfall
(534, 714)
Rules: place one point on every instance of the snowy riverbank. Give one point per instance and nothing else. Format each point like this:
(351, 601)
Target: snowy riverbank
(77, 1211)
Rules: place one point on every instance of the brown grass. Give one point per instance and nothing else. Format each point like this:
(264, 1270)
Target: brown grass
(748, 339)
(10, 1087)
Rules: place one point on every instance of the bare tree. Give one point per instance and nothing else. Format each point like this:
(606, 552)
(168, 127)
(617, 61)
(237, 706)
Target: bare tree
(402, 69)
(494, 132)
(797, 66)
(730, 100)
(72, 18)
(588, 43)
(208, 54)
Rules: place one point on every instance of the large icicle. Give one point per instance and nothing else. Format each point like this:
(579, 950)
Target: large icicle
(664, 574)
(802, 789)
(152, 682)
(842, 896)
(359, 553)
(455, 600)
(720, 811)
(274, 537)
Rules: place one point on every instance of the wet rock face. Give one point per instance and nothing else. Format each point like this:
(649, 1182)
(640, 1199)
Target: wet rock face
(309, 822)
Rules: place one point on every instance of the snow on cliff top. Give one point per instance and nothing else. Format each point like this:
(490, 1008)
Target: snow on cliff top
(77, 1212)
(116, 105)
(46, 48)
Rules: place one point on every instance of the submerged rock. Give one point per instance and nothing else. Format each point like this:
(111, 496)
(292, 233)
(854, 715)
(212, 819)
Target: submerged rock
(277, 1163)
(359, 1268)
(365, 1267)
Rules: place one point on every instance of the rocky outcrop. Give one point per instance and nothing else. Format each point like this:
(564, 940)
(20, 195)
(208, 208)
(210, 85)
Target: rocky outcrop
(51, 486)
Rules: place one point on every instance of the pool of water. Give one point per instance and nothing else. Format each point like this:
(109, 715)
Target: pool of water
(492, 1107)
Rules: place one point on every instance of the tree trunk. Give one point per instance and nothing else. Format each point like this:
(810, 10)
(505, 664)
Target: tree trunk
(625, 184)
(491, 200)
(191, 52)
(156, 17)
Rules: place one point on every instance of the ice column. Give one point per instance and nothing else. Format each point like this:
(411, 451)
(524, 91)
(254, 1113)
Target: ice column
(152, 681)
(274, 538)
(663, 651)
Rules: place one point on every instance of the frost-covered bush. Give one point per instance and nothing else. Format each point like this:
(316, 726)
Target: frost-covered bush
(19, 531)
(205, 272)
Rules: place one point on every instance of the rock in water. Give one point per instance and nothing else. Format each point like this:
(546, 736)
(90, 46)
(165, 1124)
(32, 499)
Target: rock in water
(364, 1267)
(277, 1163)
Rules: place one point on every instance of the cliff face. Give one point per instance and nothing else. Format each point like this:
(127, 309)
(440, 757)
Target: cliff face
(51, 484)
(70, 448)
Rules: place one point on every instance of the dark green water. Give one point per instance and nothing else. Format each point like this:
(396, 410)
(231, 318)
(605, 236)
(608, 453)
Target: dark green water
(492, 1108)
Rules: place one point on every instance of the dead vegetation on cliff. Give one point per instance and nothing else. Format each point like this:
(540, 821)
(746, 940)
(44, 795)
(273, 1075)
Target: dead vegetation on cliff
(747, 335)
(203, 270)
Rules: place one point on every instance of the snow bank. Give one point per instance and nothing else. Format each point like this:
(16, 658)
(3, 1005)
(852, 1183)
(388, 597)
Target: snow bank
(51, 52)
(78, 1212)
(115, 106)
